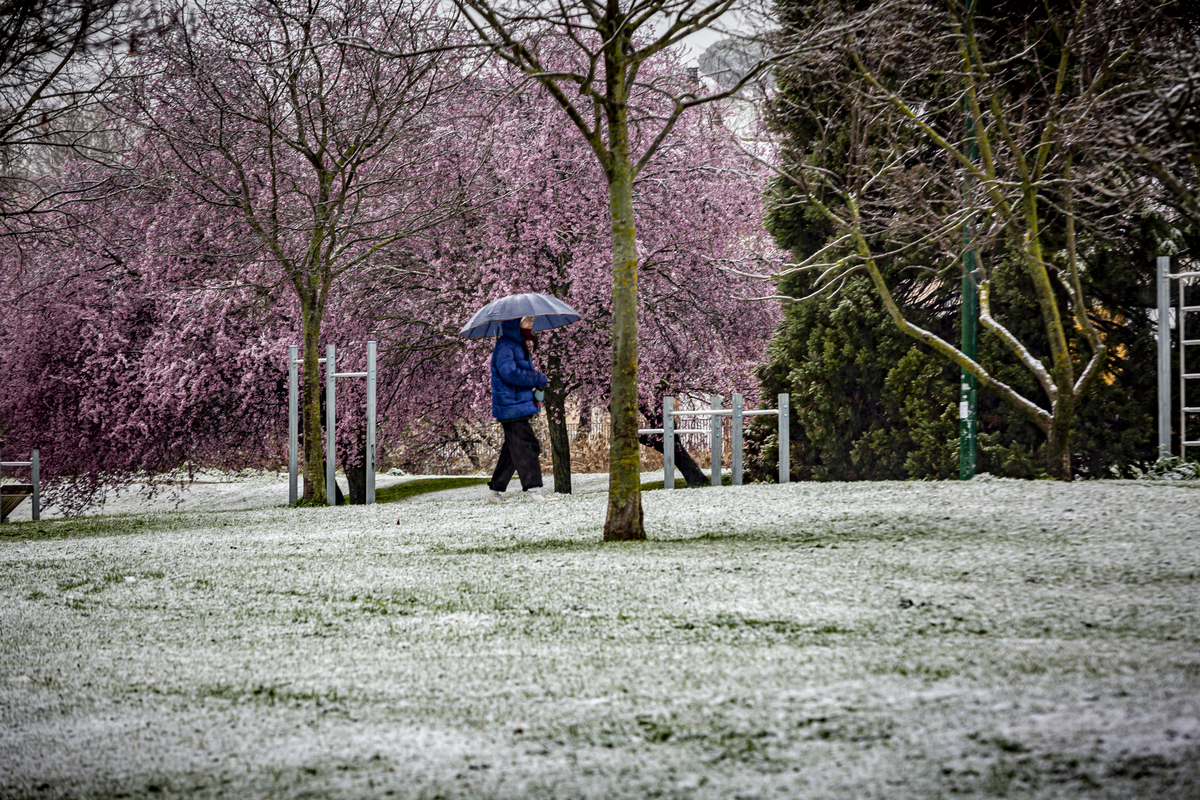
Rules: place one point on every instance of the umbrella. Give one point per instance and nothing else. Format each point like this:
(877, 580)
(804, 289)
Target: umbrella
(547, 312)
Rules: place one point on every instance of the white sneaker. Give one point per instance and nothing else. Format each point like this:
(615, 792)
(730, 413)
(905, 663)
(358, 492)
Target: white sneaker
(541, 496)
(495, 498)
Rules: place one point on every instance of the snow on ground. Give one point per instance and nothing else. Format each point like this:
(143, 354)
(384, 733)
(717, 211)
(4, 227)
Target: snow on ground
(890, 640)
(219, 491)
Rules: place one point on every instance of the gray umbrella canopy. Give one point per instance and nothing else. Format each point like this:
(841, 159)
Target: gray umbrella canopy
(547, 312)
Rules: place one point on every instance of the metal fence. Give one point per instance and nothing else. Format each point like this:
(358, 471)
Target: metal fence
(715, 413)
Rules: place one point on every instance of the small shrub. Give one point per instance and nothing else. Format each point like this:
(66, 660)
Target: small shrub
(1170, 468)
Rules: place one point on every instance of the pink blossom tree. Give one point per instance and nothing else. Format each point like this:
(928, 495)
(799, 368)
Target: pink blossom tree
(331, 130)
(154, 337)
(623, 115)
(116, 372)
(548, 231)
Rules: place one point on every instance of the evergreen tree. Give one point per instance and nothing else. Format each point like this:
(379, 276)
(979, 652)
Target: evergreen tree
(870, 402)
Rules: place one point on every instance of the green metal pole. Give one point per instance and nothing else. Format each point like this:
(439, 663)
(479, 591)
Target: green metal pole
(968, 395)
(967, 409)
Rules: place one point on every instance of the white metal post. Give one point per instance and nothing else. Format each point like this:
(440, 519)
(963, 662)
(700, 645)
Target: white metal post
(715, 472)
(735, 434)
(1162, 270)
(668, 442)
(370, 460)
(293, 425)
(35, 471)
(784, 445)
(330, 425)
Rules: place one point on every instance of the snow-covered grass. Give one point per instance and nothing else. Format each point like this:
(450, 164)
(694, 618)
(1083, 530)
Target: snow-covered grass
(889, 640)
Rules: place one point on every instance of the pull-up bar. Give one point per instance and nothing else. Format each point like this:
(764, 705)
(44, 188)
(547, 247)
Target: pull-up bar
(331, 376)
(736, 413)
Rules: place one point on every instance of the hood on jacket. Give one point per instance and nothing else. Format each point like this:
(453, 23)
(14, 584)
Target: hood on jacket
(511, 329)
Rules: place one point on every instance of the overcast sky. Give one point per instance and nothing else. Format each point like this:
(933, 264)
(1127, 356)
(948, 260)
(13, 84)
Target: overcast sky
(700, 41)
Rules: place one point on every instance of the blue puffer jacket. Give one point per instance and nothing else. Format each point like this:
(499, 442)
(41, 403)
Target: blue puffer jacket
(513, 375)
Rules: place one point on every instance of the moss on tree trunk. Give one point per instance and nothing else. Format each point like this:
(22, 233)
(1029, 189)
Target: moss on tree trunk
(624, 519)
(310, 404)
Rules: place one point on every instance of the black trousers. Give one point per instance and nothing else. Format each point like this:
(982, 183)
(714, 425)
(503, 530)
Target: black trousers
(519, 454)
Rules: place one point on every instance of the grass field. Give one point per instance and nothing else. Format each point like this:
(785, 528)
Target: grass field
(884, 640)
(409, 489)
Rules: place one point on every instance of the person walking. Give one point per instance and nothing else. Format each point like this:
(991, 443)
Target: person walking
(516, 399)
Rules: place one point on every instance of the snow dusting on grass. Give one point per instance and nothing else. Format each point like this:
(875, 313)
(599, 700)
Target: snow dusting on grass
(890, 640)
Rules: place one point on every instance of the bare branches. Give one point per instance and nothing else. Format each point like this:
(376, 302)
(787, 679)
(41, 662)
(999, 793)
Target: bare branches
(1155, 124)
(930, 122)
(56, 59)
(588, 57)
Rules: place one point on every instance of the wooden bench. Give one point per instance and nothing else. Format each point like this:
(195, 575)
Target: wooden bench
(11, 495)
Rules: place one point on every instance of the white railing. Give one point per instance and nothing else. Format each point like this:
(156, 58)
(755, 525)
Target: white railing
(331, 376)
(737, 413)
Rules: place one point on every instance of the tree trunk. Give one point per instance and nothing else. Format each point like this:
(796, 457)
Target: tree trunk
(1058, 440)
(310, 404)
(1058, 445)
(584, 429)
(683, 460)
(624, 521)
(339, 499)
(356, 474)
(556, 421)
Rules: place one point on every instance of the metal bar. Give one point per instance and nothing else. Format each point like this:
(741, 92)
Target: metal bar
(703, 413)
(1190, 308)
(350, 375)
(35, 477)
(1182, 274)
(1191, 409)
(968, 416)
(16, 463)
(668, 443)
(715, 471)
(763, 412)
(785, 446)
(735, 435)
(370, 465)
(3, 518)
(1191, 341)
(1162, 267)
(649, 431)
(1192, 375)
(293, 426)
(330, 425)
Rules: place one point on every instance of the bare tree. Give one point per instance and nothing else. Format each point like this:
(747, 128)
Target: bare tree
(323, 128)
(589, 57)
(945, 134)
(56, 59)
(1157, 127)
